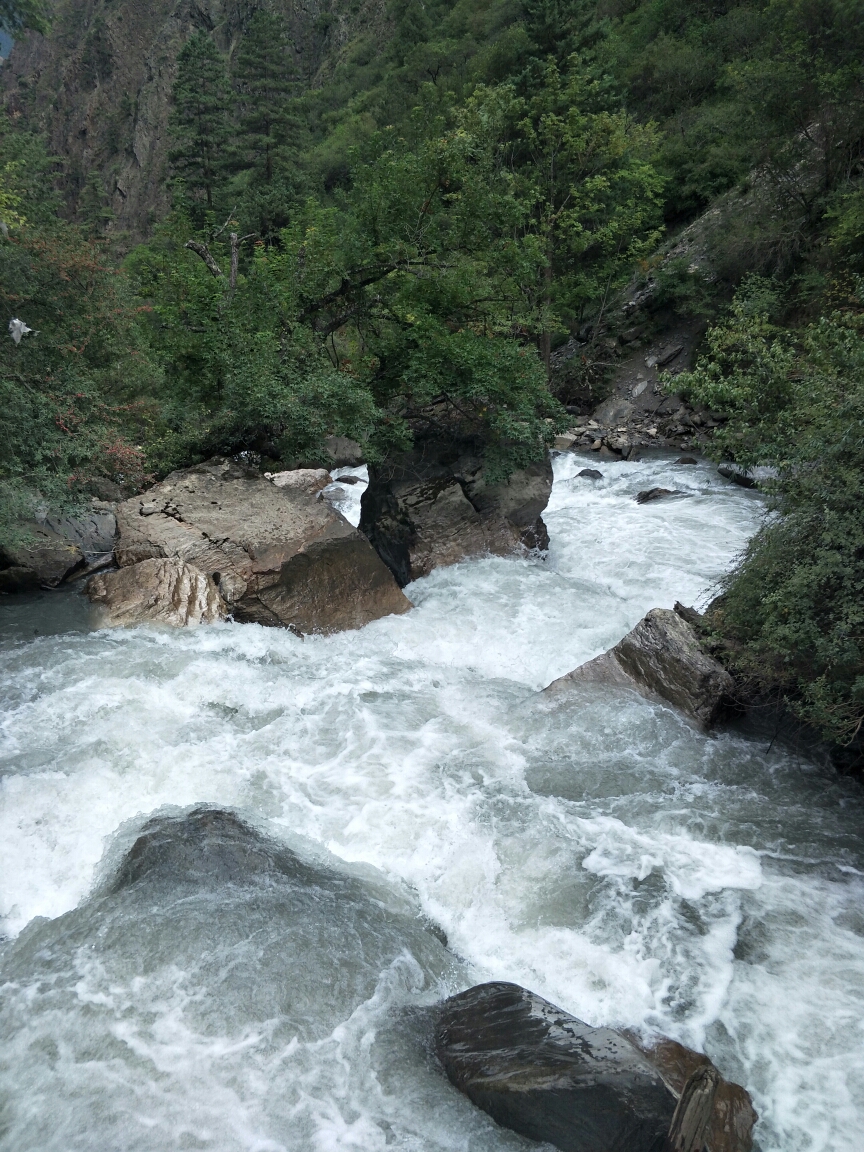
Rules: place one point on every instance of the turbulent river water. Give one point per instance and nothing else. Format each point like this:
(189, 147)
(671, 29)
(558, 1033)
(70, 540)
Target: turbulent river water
(591, 846)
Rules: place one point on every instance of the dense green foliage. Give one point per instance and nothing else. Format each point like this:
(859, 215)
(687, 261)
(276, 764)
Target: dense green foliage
(793, 610)
(72, 391)
(417, 296)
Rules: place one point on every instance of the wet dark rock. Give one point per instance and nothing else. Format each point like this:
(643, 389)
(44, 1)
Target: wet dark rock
(591, 474)
(662, 658)
(433, 506)
(206, 844)
(549, 1076)
(736, 475)
(654, 494)
(686, 460)
(43, 559)
(728, 1125)
(93, 531)
(280, 556)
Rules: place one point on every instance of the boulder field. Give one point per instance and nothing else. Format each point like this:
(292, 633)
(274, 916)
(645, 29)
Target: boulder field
(550, 1077)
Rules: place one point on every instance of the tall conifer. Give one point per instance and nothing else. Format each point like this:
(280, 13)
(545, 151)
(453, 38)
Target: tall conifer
(269, 128)
(200, 119)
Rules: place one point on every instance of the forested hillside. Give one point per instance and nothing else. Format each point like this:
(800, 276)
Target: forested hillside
(239, 227)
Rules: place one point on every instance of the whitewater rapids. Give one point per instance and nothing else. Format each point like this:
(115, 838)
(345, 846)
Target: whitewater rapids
(593, 847)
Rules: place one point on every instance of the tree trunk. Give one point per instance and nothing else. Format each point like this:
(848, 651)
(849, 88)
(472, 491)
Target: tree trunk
(546, 337)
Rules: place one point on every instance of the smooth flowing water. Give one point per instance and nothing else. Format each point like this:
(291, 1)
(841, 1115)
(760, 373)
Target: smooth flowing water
(592, 846)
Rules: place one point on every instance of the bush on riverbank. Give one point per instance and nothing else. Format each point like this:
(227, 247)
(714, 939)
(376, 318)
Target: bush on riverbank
(793, 610)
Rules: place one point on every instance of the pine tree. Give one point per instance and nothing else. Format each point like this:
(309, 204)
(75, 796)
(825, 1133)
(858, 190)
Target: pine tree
(200, 119)
(94, 208)
(269, 129)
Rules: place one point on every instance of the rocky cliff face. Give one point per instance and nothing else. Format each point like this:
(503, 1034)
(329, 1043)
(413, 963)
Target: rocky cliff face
(99, 85)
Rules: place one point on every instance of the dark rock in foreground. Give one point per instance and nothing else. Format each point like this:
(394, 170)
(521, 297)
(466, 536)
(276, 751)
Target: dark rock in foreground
(729, 1123)
(56, 549)
(434, 506)
(662, 658)
(550, 1077)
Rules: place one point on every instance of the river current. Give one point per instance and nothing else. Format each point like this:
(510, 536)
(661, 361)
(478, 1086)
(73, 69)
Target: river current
(592, 846)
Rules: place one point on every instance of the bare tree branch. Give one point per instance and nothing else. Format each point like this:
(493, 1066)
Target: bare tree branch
(204, 252)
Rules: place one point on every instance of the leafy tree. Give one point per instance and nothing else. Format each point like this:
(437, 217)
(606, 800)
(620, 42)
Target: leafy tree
(583, 174)
(240, 372)
(200, 123)
(73, 393)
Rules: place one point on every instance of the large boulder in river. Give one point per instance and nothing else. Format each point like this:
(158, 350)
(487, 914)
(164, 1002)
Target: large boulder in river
(545, 1074)
(548, 1076)
(433, 506)
(165, 591)
(279, 556)
(663, 658)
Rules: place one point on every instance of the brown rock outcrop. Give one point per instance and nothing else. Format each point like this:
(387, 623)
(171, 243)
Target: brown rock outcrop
(662, 658)
(279, 556)
(434, 507)
(732, 1116)
(165, 591)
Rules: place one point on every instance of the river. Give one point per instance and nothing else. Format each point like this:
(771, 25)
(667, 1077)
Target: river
(591, 846)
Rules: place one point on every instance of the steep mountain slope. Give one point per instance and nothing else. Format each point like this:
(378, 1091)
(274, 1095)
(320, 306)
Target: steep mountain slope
(99, 86)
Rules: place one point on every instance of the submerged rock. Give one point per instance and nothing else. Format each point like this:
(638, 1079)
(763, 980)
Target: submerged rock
(591, 474)
(279, 555)
(662, 658)
(548, 1076)
(433, 507)
(165, 591)
(651, 494)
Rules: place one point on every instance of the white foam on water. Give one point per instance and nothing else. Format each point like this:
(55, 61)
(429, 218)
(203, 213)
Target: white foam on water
(592, 846)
